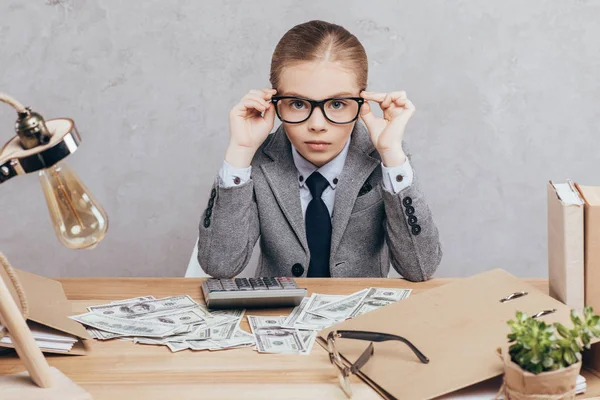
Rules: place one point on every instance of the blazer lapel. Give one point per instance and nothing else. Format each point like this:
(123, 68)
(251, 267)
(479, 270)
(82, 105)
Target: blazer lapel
(282, 176)
(357, 168)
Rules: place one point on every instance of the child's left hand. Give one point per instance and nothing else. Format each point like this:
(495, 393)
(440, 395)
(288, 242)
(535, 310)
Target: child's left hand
(387, 132)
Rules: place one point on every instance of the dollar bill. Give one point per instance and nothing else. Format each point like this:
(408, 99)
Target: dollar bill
(133, 300)
(141, 308)
(199, 333)
(224, 331)
(377, 298)
(256, 322)
(197, 345)
(307, 336)
(98, 334)
(128, 327)
(177, 346)
(309, 321)
(240, 339)
(186, 316)
(189, 317)
(308, 339)
(290, 321)
(278, 341)
(340, 309)
(271, 337)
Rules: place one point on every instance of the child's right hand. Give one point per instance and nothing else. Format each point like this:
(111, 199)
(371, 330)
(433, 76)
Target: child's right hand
(248, 128)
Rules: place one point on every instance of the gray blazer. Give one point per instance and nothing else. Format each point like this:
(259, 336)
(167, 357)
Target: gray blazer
(371, 226)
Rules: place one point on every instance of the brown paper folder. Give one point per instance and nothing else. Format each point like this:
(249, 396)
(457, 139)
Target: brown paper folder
(565, 244)
(591, 195)
(48, 306)
(459, 326)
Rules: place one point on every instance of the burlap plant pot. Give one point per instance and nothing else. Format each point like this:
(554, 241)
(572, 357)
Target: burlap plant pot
(519, 384)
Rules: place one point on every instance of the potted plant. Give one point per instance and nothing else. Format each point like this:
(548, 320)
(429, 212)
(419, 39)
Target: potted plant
(544, 360)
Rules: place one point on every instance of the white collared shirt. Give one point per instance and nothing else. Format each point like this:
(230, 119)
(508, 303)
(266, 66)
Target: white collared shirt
(230, 176)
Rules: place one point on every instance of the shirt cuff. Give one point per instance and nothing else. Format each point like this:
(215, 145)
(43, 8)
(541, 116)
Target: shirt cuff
(397, 178)
(230, 176)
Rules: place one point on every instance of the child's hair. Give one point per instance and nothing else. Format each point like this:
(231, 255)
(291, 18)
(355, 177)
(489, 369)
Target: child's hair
(319, 41)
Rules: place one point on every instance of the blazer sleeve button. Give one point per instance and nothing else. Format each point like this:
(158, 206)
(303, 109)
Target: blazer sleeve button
(206, 222)
(297, 269)
(407, 201)
(412, 220)
(410, 210)
(416, 230)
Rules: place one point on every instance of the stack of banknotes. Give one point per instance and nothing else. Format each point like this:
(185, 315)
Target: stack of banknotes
(180, 323)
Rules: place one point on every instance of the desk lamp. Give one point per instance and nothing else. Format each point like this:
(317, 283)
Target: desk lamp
(78, 220)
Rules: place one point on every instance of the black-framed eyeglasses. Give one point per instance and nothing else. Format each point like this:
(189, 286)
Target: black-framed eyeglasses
(337, 110)
(345, 371)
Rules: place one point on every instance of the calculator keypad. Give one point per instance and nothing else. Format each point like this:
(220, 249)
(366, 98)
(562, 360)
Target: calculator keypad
(261, 283)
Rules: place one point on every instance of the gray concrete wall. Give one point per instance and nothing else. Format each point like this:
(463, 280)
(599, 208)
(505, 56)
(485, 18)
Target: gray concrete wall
(507, 92)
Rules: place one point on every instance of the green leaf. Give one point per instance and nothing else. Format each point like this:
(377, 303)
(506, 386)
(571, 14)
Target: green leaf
(570, 357)
(562, 330)
(548, 362)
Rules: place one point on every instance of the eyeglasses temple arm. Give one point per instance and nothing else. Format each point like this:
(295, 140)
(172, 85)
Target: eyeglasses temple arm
(383, 337)
(362, 360)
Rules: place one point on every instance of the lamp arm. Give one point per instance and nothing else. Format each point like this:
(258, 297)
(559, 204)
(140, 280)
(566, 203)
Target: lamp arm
(11, 101)
(21, 336)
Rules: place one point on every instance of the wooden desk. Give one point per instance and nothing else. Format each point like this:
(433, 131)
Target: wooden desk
(119, 369)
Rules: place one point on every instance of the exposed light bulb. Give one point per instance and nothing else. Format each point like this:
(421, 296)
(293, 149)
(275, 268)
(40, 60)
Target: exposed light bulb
(78, 219)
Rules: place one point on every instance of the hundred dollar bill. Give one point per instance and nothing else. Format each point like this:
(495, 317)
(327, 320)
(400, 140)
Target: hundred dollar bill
(197, 345)
(278, 341)
(188, 317)
(377, 298)
(240, 339)
(133, 300)
(340, 309)
(306, 320)
(308, 339)
(141, 308)
(128, 327)
(271, 337)
(223, 331)
(295, 314)
(199, 333)
(177, 346)
(265, 322)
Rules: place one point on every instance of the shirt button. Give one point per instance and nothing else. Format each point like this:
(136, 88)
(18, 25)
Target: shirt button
(297, 269)
(237, 180)
(300, 178)
(335, 181)
(399, 178)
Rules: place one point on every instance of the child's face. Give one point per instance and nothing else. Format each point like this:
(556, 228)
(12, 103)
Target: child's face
(318, 80)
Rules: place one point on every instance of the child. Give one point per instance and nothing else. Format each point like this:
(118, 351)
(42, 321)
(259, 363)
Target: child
(331, 192)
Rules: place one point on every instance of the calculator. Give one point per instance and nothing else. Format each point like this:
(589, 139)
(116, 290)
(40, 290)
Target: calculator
(262, 292)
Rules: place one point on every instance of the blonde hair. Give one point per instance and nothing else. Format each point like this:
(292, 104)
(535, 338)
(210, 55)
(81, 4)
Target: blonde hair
(319, 41)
